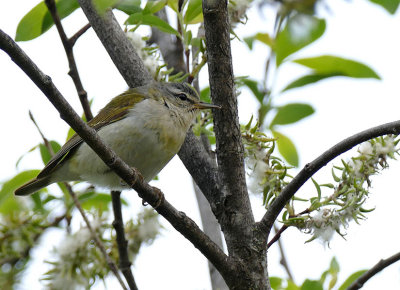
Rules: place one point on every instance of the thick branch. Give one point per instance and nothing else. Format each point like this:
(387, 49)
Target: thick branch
(382, 264)
(311, 168)
(178, 220)
(238, 213)
(117, 45)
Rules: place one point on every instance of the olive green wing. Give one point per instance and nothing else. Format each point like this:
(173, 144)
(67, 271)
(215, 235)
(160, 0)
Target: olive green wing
(115, 110)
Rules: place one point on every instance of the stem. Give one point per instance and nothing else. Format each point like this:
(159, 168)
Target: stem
(68, 47)
(382, 264)
(118, 224)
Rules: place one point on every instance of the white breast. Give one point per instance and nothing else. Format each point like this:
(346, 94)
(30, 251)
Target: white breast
(146, 139)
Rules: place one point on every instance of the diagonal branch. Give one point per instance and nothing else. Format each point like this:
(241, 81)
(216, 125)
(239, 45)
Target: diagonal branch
(131, 176)
(382, 264)
(311, 168)
(73, 69)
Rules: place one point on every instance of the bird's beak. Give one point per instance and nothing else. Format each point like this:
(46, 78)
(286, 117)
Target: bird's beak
(202, 105)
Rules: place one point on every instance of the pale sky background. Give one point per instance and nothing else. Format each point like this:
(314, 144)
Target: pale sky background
(356, 30)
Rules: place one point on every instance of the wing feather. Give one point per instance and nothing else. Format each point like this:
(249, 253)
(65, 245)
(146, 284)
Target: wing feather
(117, 109)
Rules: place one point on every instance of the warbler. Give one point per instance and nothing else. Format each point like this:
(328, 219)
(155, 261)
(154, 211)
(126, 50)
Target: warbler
(145, 126)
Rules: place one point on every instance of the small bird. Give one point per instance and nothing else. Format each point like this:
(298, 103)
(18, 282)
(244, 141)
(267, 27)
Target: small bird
(145, 126)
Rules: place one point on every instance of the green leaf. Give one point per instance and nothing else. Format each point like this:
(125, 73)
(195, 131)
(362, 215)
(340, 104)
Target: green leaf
(152, 20)
(129, 6)
(103, 5)
(194, 12)
(317, 187)
(154, 6)
(38, 20)
(173, 4)
(308, 79)
(311, 285)
(205, 95)
(291, 113)
(262, 37)
(353, 277)
(286, 148)
(299, 32)
(329, 64)
(8, 203)
(44, 152)
(253, 86)
(276, 282)
(99, 201)
(390, 5)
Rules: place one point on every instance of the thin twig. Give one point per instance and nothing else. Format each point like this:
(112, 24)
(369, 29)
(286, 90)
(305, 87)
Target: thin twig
(45, 140)
(78, 34)
(283, 259)
(99, 244)
(68, 47)
(277, 236)
(382, 264)
(122, 243)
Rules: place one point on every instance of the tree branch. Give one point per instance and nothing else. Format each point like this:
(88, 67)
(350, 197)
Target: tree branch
(122, 243)
(311, 168)
(131, 176)
(382, 264)
(117, 45)
(78, 34)
(73, 69)
(238, 215)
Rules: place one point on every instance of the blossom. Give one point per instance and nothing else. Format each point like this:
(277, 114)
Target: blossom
(148, 58)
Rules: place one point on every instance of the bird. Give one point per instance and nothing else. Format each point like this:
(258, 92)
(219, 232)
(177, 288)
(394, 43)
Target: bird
(145, 126)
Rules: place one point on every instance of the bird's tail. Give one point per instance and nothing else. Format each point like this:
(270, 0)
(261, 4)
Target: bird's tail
(33, 186)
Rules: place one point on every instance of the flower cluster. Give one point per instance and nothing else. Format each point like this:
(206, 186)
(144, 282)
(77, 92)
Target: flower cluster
(144, 230)
(266, 173)
(147, 54)
(79, 262)
(328, 215)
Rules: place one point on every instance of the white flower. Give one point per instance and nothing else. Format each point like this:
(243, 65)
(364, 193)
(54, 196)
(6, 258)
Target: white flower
(366, 149)
(64, 282)
(149, 229)
(357, 166)
(77, 241)
(136, 40)
(149, 60)
(385, 149)
(258, 168)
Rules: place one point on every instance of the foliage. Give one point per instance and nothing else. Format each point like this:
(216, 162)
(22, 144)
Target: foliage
(328, 280)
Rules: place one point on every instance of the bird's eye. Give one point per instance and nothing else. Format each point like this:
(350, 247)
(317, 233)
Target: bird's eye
(183, 97)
